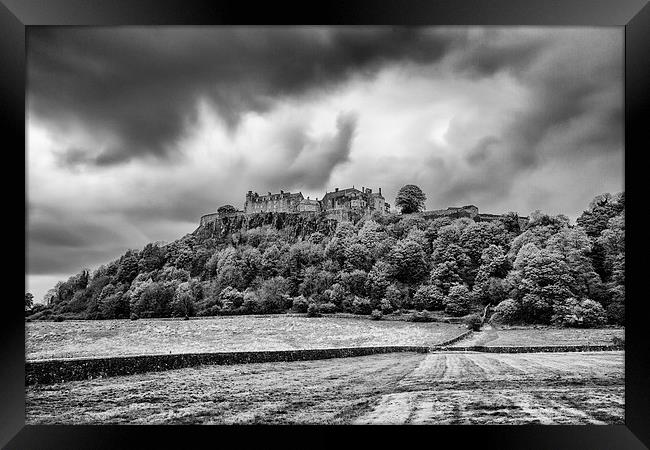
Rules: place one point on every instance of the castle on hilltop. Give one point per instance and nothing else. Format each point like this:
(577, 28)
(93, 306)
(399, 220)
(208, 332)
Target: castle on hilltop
(342, 204)
(352, 199)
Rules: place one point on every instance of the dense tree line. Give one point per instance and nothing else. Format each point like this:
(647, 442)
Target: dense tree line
(551, 272)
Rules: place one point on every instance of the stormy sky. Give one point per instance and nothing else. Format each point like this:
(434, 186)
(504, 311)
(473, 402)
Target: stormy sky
(134, 133)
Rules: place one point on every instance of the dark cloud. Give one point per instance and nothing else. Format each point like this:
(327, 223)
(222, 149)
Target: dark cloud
(140, 86)
(66, 241)
(574, 87)
(311, 161)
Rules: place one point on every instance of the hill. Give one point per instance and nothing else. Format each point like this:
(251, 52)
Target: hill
(548, 271)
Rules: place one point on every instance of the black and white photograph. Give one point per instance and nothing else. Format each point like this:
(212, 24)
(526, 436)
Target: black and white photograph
(358, 225)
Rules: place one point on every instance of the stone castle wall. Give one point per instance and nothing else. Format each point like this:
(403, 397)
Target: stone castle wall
(345, 205)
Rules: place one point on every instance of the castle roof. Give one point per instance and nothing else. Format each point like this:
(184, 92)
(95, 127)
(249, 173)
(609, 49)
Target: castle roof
(277, 196)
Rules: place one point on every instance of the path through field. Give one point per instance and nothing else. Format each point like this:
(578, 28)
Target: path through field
(501, 388)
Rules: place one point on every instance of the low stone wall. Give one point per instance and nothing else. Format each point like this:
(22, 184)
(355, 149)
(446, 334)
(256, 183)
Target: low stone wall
(62, 370)
(531, 349)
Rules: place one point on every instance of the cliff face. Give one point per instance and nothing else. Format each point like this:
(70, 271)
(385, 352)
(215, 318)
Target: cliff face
(302, 224)
(296, 224)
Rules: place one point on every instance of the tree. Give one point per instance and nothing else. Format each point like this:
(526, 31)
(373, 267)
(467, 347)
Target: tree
(152, 257)
(602, 208)
(510, 221)
(29, 301)
(315, 282)
(183, 303)
(155, 300)
(409, 261)
(396, 296)
(445, 274)
(113, 304)
(128, 267)
(273, 296)
(230, 298)
(357, 256)
(226, 209)
(378, 280)
(250, 261)
(374, 237)
(428, 297)
(507, 311)
(355, 282)
(477, 237)
(457, 303)
(410, 199)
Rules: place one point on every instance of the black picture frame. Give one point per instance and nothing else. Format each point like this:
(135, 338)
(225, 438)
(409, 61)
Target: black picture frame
(634, 15)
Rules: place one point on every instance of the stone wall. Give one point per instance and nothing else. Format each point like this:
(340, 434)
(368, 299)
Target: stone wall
(58, 371)
(63, 370)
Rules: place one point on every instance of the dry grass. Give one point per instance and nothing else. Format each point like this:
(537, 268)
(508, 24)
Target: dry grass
(45, 340)
(436, 388)
(326, 391)
(489, 388)
(505, 337)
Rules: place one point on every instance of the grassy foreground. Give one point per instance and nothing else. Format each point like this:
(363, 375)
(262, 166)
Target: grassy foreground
(95, 338)
(575, 388)
(535, 337)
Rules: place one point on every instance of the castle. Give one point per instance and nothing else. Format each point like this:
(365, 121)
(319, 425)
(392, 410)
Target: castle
(341, 204)
(364, 201)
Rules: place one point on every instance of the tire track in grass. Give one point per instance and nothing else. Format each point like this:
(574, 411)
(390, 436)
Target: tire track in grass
(499, 370)
(607, 406)
(397, 405)
(584, 366)
(380, 393)
(564, 412)
(430, 371)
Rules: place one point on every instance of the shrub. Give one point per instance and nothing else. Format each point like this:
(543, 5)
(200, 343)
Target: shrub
(313, 310)
(422, 316)
(213, 310)
(337, 294)
(395, 296)
(616, 312)
(300, 304)
(134, 316)
(231, 298)
(385, 306)
(536, 309)
(457, 303)
(43, 315)
(592, 313)
(57, 318)
(376, 314)
(508, 311)
(428, 297)
(327, 308)
(273, 295)
(250, 303)
(361, 306)
(473, 322)
(572, 313)
(355, 281)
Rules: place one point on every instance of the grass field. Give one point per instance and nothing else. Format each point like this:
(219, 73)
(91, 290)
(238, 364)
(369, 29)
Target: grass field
(46, 340)
(505, 337)
(575, 388)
